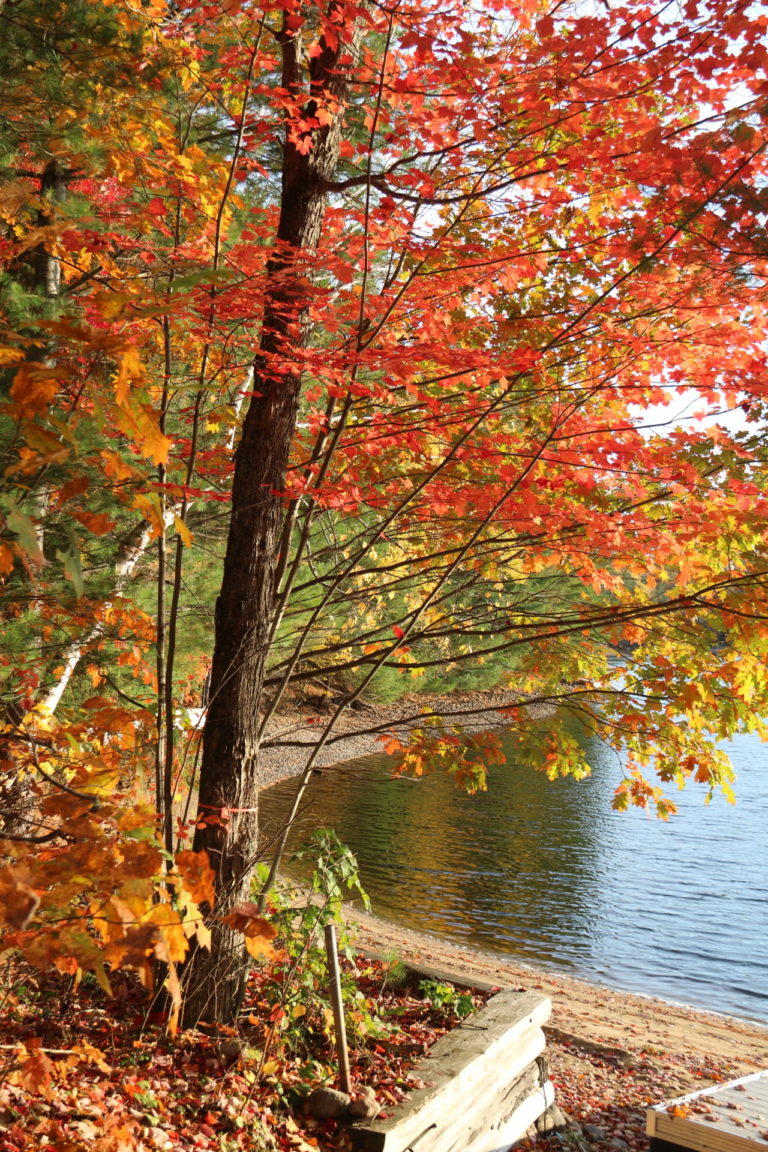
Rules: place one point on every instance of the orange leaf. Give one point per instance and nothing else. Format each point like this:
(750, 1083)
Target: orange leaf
(133, 950)
(36, 1073)
(257, 946)
(197, 875)
(258, 932)
(34, 387)
(18, 901)
(172, 945)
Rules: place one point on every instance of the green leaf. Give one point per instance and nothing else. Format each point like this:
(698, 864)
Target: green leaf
(26, 530)
(73, 569)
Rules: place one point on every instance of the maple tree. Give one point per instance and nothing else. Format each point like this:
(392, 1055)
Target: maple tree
(385, 289)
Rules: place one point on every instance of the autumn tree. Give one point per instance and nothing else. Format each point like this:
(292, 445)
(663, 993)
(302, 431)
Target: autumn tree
(407, 276)
(532, 237)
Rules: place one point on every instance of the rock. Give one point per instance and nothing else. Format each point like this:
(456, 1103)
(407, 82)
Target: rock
(592, 1132)
(327, 1104)
(364, 1105)
(618, 1144)
(230, 1052)
(551, 1120)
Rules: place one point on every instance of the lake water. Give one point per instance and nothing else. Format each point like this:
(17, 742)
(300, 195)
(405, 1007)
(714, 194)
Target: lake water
(548, 874)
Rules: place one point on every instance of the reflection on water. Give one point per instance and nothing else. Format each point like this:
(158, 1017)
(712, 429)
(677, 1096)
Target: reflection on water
(548, 873)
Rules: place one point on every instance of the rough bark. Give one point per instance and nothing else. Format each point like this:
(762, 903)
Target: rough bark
(229, 778)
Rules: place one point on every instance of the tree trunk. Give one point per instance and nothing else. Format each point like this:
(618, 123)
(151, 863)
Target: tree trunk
(229, 778)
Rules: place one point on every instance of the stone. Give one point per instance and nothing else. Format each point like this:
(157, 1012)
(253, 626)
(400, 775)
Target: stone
(364, 1105)
(592, 1132)
(551, 1120)
(327, 1104)
(230, 1052)
(618, 1144)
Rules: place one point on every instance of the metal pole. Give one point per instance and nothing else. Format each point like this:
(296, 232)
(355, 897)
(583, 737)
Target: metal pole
(338, 1008)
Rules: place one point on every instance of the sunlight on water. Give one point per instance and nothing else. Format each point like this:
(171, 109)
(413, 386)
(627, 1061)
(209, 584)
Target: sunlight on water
(549, 874)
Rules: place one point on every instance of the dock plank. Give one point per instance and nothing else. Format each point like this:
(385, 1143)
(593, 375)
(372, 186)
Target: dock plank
(730, 1117)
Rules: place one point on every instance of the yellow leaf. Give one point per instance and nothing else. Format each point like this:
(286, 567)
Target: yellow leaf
(129, 370)
(149, 506)
(172, 945)
(152, 442)
(111, 304)
(115, 467)
(138, 421)
(203, 934)
(183, 531)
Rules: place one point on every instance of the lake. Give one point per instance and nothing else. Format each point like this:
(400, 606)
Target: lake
(545, 872)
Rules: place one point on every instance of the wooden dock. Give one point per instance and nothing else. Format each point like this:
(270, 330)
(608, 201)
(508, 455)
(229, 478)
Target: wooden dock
(729, 1117)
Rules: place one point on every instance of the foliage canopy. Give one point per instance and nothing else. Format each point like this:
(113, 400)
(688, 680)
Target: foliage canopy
(372, 298)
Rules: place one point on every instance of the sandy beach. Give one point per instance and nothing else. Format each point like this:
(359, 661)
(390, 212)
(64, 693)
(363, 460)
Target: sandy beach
(584, 1013)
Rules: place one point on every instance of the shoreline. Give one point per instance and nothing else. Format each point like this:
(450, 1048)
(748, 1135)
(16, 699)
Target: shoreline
(293, 733)
(659, 1048)
(358, 919)
(471, 959)
(666, 1048)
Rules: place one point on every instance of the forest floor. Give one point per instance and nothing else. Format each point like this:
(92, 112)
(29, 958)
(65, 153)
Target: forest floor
(81, 1073)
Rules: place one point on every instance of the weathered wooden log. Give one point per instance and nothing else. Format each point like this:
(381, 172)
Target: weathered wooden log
(483, 1086)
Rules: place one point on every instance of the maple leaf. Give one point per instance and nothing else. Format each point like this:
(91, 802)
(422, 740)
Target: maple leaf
(134, 949)
(171, 942)
(259, 933)
(198, 876)
(34, 387)
(18, 900)
(37, 1072)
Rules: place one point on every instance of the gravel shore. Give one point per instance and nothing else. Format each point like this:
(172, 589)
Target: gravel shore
(292, 735)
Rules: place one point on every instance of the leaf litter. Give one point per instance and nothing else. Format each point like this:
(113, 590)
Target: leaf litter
(81, 1071)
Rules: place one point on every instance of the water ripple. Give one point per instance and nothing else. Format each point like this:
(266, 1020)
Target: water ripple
(549, 874)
